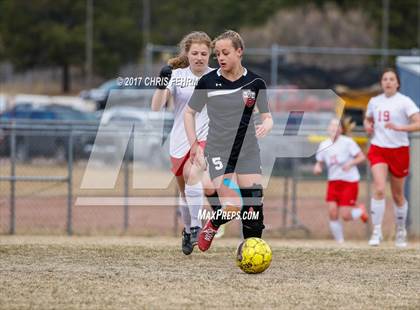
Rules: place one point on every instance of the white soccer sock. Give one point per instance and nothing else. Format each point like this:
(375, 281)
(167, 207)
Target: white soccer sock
(377, 209)
(337, 230)
(356, 213)
(401, 214)
(195, 200)
(185, 213)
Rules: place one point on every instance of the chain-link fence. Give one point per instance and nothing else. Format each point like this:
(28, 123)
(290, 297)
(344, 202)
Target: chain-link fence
(304, 66)
(43, 169)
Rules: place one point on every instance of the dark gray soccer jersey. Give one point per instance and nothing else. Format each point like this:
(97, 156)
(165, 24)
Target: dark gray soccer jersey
(230, 107)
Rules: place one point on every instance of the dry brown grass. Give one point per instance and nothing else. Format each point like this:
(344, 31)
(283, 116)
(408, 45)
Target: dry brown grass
(138, 273)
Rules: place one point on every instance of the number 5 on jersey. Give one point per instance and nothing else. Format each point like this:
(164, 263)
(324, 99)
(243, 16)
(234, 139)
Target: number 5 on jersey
(217, 162)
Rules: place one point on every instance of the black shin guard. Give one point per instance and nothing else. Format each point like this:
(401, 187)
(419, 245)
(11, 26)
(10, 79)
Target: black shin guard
(214, 201)
(215, 204)
(253, 219)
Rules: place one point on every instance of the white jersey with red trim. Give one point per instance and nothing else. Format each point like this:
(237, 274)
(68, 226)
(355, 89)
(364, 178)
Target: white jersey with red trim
(396, 109)
(181, 86)
(335, 155)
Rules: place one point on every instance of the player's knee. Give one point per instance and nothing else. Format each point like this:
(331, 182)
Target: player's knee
(333, 213)
(192, 175)
(398, 198)
(379, 192)
(346, 215)
(209, 191)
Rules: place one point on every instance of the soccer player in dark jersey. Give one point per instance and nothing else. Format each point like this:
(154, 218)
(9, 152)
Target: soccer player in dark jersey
(231, 94)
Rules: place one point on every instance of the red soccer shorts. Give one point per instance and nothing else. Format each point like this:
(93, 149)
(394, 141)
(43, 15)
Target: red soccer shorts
(343, 193)
(397, 159)
(179, 163)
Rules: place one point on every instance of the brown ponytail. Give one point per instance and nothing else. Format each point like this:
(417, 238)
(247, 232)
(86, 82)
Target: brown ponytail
(181, 61)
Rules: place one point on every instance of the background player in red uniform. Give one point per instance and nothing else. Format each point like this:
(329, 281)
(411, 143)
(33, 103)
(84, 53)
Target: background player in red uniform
(341, 155)
(389, 118)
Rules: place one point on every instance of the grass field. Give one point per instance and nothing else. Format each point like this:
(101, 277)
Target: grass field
(150, 273)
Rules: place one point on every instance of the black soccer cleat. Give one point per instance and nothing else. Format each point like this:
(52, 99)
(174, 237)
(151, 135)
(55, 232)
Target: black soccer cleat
(195, 231)
(187, 246)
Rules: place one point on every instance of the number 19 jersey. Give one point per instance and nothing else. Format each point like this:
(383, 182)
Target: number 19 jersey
(396, 109)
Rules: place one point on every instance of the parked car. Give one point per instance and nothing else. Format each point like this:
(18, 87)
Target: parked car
(3, 102)
(117, 94)
(151, 128)
(45, 130)
(101, 93)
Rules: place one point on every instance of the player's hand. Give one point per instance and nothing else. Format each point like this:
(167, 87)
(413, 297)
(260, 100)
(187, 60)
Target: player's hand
(317, 169)
(165, 75)
(193, 152)
(392, 126)
(261, 131)
(368, 127)
(347, 166)
(199, 159)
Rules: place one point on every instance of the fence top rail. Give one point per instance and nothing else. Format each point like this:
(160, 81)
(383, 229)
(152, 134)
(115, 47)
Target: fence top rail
(39, 178)
(280, 50)
(24, 122)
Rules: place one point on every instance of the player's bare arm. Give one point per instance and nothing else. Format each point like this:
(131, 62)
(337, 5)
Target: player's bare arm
(368, 124)
(189, 122)
(317, 168)
(358, 159)
(412, 127)
(161, 97)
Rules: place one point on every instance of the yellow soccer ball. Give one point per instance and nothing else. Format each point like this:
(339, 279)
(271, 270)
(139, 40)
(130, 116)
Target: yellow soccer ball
(253, 255)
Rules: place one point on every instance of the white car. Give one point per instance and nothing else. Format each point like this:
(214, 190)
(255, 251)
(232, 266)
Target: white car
(151, 129)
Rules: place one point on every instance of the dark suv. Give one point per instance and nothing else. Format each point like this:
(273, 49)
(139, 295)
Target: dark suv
(45, 131)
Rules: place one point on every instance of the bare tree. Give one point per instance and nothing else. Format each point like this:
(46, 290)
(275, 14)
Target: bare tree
(312, 26)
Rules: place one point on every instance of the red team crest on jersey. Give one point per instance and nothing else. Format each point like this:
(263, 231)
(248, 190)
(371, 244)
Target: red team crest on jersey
(249, 97)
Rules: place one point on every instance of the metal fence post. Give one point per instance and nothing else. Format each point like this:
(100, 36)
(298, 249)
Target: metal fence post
(70, 185)
(285, 202)
(368, 191)
(177, 212)
(407, 191)
(149, 59)
(126, 188)
(12, 228)
(294, 192)
(274, 64)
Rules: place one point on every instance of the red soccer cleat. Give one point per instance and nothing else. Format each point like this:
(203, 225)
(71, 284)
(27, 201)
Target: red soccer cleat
(364, 217)
(206, 236)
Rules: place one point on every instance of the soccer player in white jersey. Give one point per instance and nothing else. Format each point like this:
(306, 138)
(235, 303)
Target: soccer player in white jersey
(341, 155)
(178, 81)
(389, 118)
